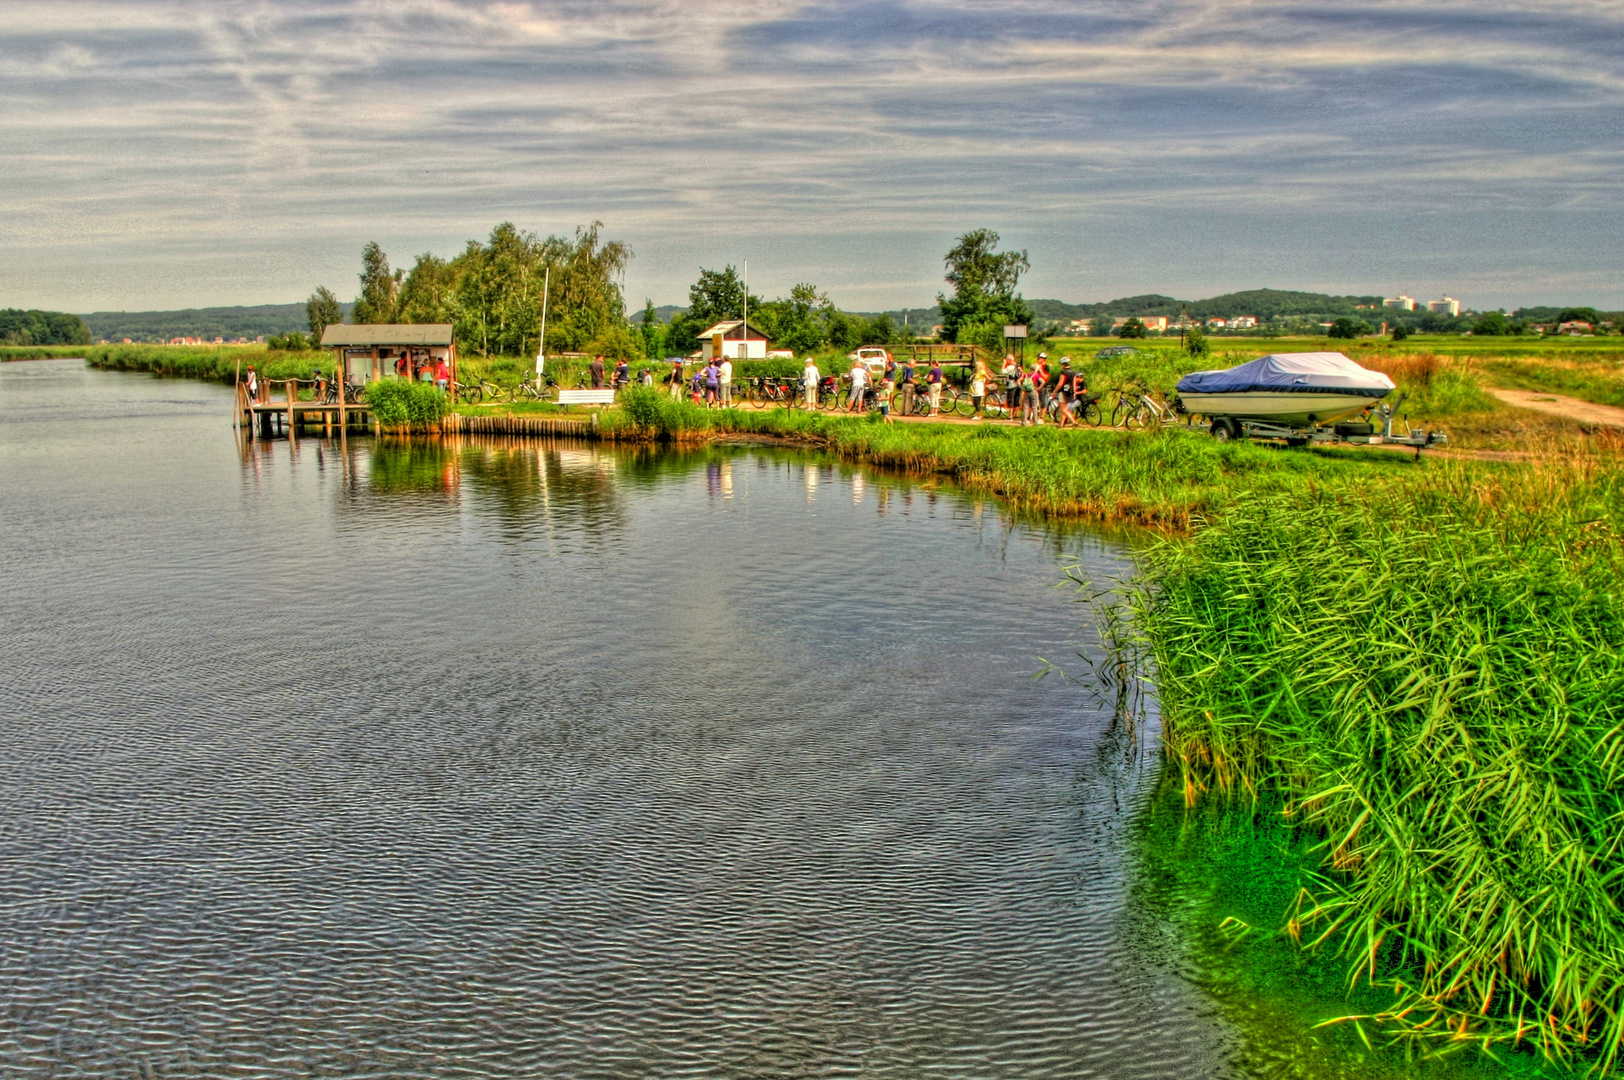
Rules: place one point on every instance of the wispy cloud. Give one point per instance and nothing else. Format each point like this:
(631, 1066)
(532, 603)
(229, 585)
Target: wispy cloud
(168, 153)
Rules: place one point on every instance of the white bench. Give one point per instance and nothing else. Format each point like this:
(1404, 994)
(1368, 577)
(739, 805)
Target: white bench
(586, 397)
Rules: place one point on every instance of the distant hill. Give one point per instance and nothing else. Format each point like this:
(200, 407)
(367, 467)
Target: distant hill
(1264, 303)
(229, 323)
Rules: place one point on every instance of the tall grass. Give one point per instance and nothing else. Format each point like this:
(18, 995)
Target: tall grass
(402, 402)
(1431, 674)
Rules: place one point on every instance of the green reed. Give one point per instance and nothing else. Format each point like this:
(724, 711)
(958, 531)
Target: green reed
(1431, 674)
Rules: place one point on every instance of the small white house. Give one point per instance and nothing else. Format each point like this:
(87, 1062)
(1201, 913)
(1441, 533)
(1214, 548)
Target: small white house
(734, 339)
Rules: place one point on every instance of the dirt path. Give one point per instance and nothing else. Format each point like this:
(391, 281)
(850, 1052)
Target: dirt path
(1585, 412)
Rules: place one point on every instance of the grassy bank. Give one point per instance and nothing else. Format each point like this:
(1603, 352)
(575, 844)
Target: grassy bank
(1429, 676)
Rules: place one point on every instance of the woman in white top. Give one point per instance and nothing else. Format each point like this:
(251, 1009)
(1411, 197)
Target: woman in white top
(859, 383)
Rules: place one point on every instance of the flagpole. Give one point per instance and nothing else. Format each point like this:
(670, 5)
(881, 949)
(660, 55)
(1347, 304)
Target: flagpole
(541, 345)
(744, 331)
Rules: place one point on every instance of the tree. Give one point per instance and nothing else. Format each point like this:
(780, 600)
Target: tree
(799, 322)
(984, 284)
(653, 331)
(1133, 328)
(1579, 314)
(380, 287)
(1195, 342)
(1400, 332)
(429, 293)
(1491, 324)
(1348, 328)
(717, 295)
(18, 327)
(322, 310)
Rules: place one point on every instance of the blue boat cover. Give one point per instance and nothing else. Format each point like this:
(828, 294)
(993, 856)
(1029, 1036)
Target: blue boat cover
(1291, 373)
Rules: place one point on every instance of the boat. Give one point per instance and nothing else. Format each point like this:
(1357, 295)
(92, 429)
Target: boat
(1290, 390)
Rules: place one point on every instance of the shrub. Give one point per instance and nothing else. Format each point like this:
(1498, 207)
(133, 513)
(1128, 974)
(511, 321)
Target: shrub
(654, 412)
(399, 402)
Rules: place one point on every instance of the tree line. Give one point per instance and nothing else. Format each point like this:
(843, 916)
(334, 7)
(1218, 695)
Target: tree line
(18, 327)
(492, 294)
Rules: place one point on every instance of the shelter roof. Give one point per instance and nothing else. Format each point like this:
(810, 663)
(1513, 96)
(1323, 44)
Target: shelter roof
(371, 334)
(729, 326)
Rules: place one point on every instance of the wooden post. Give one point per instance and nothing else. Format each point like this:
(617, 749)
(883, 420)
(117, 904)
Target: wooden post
(293, 396)
(236, 385)
(343, 380)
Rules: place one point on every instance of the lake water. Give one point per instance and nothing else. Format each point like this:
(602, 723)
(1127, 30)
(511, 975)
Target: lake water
(472, 760)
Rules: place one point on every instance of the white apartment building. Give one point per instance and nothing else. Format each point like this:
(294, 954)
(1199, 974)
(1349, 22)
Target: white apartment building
(1447, 306)
(1403, 303)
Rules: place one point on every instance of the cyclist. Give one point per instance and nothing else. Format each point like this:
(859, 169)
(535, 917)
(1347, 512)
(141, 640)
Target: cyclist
(978, 389)
(809, 384)
(1012, 385)
(623, 374)
(859, 383)
(320, 392)
(905, 382)
(1029, 397)
(675, 378)
(1040, 379)
(1065, 389)
(933, 381)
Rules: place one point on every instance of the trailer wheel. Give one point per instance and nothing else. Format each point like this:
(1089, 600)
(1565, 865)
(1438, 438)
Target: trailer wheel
(1222, 429)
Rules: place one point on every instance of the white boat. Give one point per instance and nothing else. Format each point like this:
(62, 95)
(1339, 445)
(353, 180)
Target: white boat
(1286, 389)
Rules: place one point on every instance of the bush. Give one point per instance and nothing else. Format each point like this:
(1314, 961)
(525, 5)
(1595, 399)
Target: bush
(655, 412)
(399, 402)
(1348, 329)
(293, 341)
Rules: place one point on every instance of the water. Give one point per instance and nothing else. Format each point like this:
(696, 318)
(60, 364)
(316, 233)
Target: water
(527, 761)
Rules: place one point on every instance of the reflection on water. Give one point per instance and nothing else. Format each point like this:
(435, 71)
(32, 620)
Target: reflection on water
(472, 759)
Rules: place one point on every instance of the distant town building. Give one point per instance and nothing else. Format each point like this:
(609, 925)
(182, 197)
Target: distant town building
(1574, 328)
(733, 340)
(1447, 306)
(1243, 322)
(1403, 303)
(1217, 324)
(1154, 322)
(1080, 326)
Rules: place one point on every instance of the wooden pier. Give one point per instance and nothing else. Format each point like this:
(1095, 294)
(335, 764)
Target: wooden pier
(267, 417)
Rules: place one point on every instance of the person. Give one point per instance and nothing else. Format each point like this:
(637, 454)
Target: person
(888, 388)
(724, 381)
(978, 390)
(933, 380)
(646, 376)
(1012, 385)
(1064, 390)
(1040, 378)
(253, 384)
(320, 381)
(809, 384)
(675, 378)
(859, 384)
(890, 369)
(596, 367)
(905, 380)
(402, 366)
(442, 374)
(1029, 397)
(713, 383)
(623, 374)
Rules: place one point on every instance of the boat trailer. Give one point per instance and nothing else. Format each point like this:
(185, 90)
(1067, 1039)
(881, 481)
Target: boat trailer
(1361, 432)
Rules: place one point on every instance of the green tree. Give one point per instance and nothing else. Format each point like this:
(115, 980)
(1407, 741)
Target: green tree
(1400, 332)
(799, 322)
(1195, 342)
(1579, 314)
(984, 283)
(380, 287)
(1491, 324)
(34, 327)
(429, 293)
(322, 310)
(653, 331)
(1348, 328)
(717, 295)
(1133, 328)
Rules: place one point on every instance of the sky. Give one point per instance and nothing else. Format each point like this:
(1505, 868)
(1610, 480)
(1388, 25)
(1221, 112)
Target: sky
(163, 155)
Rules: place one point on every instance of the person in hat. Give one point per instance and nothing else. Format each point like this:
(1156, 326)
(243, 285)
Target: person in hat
(1012, 385)
(1040, 382)
(1065, 389)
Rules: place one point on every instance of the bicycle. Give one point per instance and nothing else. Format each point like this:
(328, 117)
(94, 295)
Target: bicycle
(475, 392)
(1085, 409)
(1135, 408)
(529, 390)
(354, 393)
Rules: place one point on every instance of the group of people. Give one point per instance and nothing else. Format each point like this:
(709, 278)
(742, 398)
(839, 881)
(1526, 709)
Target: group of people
(424, 368)
(1027, 392)
(711, 385)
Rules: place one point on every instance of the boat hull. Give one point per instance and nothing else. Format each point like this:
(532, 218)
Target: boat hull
(1287, 410)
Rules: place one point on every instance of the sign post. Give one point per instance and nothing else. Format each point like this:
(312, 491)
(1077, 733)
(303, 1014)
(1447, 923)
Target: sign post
(1015, 333)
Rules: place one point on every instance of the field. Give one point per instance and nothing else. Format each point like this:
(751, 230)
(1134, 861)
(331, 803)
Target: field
(1415, 667)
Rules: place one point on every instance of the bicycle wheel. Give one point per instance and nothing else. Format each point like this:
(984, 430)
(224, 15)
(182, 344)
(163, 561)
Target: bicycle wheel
(1120, 410)
(949, 401)
(1089, 414)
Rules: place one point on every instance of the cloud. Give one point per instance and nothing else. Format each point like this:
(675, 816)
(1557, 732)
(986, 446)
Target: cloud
(262, 142)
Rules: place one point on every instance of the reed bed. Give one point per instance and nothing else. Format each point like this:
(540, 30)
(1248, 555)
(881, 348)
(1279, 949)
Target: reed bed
(1430, 673)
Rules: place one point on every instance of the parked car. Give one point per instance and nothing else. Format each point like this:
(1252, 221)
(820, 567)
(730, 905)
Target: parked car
(1117, 350)
(872, 357)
